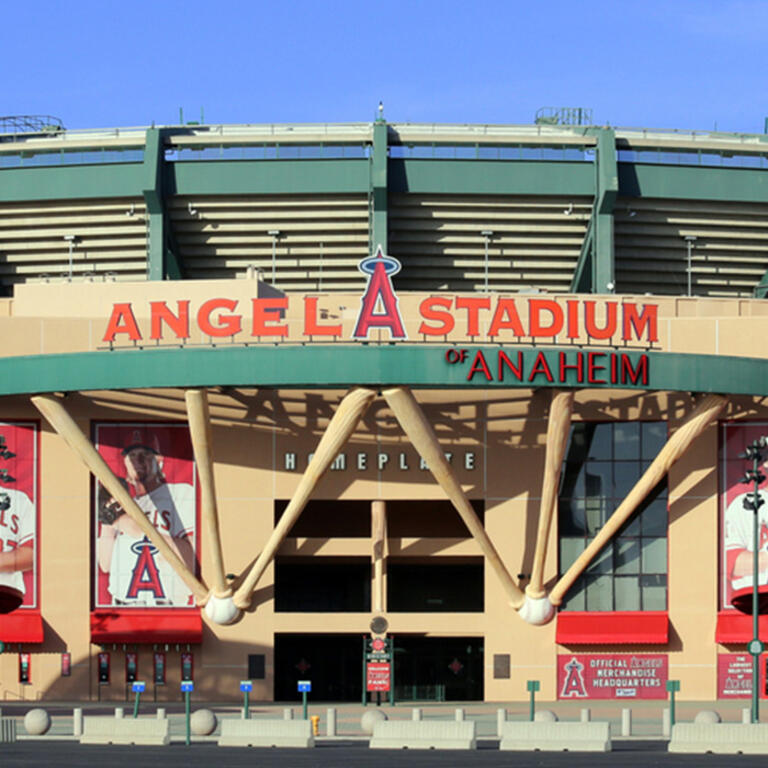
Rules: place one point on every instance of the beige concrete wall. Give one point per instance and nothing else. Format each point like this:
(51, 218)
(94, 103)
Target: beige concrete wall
(252, 431)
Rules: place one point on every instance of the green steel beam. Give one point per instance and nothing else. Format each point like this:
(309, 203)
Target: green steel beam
(162, 259)
(378, 188)
(491, 177)
(415, 365)
(71, 182)
(603, 257)
(265, 177)
(693, 182)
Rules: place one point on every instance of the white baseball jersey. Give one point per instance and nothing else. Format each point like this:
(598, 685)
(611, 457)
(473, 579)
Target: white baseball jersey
(17, 527)
(739, 534)
(138, 574)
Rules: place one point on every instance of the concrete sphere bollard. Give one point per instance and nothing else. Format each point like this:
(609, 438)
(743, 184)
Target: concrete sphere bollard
(707, 717)
(370, 718)
(37, 722)
(202, 722)
(545, 716)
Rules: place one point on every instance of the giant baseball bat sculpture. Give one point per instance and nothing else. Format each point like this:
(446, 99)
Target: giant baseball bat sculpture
(58, 417)
(200, 433)
(341, 426)
(421, 435)
(705, 413)
(558, 428)
(219, 606)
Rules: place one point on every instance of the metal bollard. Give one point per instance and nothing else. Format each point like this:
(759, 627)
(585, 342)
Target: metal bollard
(287, 713)
(77, 721)
(626, 722)
(666, 722)
(416, 713)
(586, 715)
(459, 714)
(161, 715)
(330, 721)
(501, 718)
(119, 712)
(746, 716)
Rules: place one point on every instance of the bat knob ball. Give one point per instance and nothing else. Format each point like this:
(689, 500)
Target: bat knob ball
(221, 610)
(537, 610)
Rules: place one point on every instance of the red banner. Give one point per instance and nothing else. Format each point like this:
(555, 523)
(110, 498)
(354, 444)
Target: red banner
(734, 675)
(18, 516)
(155, 464)
(612, 676)
(377, 676)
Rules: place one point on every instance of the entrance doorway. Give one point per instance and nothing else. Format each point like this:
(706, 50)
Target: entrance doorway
(332, 662)
(438, 668)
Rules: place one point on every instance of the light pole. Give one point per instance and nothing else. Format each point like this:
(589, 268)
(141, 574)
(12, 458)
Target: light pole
(753, 501)
(274, 233)
(71, 239)
(689, 241)
(487, 235)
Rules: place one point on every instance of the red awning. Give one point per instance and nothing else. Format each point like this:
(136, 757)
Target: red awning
(21, 626)
(736, 627)
(153, 625)
(608, 627)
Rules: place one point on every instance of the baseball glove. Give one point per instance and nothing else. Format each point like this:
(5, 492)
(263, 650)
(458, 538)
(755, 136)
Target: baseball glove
(109, 509)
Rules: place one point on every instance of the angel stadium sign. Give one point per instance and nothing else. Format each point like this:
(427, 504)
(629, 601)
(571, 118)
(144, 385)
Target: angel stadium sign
(380, 317)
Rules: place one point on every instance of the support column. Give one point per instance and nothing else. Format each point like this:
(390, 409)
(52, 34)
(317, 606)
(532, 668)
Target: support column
(378, 223)
(379, 542)
(603, 263)
(162, 262)
(595, 270)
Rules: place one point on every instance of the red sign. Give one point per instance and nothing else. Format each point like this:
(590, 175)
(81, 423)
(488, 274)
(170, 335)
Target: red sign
(377, 676)
(500, 318)
(734, 676)
(612, 676)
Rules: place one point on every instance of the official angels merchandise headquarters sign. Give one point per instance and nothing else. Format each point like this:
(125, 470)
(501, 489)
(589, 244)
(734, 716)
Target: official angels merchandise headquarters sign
(612, 676)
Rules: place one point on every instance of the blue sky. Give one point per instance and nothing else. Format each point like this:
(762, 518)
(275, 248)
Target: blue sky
(663, 64)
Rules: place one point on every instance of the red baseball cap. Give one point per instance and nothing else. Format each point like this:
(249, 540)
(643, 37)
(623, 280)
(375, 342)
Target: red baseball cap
(140, 437)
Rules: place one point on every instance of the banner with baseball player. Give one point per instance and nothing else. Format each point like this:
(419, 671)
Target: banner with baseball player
(155, 463)
(737, 529)
(19, 518)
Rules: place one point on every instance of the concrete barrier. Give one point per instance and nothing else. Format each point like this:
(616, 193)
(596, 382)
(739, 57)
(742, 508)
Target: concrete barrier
(266, 733)
(125, 730)
(7, 730)
(424, 734)
(720, 738)
(556, 737)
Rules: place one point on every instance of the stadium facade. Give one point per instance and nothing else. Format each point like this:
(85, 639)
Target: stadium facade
(272, 391)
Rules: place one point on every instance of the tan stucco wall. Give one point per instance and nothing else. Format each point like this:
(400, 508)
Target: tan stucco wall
(253, 430)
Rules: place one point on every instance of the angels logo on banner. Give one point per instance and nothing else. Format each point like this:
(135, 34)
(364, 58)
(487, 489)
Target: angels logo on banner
(737, 544)
(18, 516)
(154, 462)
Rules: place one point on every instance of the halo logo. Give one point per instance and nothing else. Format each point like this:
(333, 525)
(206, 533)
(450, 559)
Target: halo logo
(379, 295)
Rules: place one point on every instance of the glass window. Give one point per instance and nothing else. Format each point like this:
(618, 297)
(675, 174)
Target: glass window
(604, 461)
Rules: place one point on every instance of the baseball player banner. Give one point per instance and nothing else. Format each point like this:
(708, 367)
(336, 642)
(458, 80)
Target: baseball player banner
(19, 523)
(612, 676)
(156, 465)
(737, 532)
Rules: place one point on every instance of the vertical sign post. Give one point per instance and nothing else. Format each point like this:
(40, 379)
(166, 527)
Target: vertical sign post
(138, 688)
(304, 686)
(187, 686)
(672, 687)
(754, 501)
(246, 686)
(533, 686)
